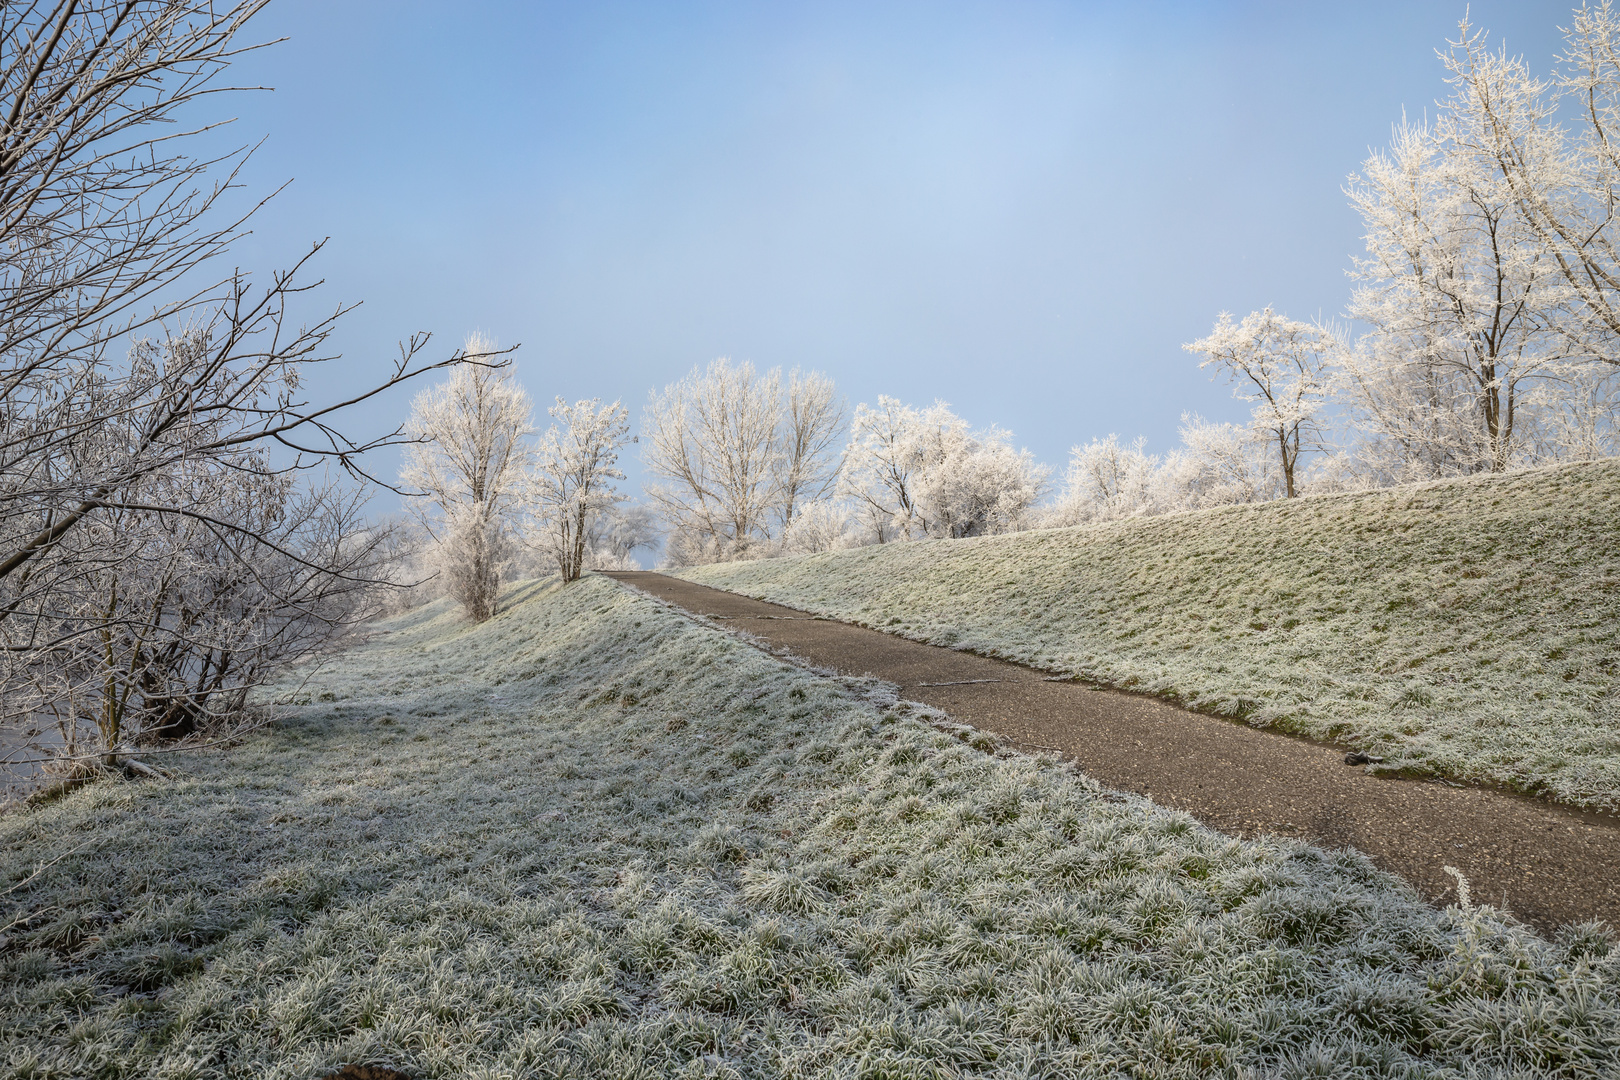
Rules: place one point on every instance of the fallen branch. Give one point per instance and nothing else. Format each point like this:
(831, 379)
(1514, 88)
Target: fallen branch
(143, 769)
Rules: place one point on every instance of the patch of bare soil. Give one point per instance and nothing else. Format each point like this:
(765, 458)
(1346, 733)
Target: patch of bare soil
(366, 1072)
(1549, 865)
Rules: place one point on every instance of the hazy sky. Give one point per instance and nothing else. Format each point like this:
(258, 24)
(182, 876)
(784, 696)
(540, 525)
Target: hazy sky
(1022, 209)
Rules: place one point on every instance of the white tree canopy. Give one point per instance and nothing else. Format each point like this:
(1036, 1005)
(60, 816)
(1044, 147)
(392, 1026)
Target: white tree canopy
(572, 482)
(467, 470)
(922, 472)
(736, 452)
(1279, 364)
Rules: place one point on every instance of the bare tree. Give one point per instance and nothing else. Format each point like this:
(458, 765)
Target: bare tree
(573, 474)
(131, 387)
(736, 458)
(100, 209)
(467, 467)
(1279, 364)
(813, 422)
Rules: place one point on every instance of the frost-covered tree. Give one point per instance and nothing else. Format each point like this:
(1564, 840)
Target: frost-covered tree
(883, 464)
(1278, 364)
(822, 525)
(1217, 464)
(1467, 314)
(574, 470)
(712, 440)
(191, 616)
(922, 472)
(615, 535)
(466, 472)
(1107, 480)
(981, 488)
(812, 424)
(135, 386)
(735, 451)
(1577, 415)
(1559, 166)
(1489, 279)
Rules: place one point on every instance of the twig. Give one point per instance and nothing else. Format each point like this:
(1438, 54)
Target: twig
(959, 682)
(42, 867)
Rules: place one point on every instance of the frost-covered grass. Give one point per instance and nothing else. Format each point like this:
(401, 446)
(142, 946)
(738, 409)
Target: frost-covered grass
(1468, 629)
(591, 838)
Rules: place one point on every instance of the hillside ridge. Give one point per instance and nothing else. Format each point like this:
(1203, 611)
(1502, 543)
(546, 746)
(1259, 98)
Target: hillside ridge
(1465, 629)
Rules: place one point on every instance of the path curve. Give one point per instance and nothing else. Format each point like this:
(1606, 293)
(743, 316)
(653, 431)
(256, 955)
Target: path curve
(1549, 865)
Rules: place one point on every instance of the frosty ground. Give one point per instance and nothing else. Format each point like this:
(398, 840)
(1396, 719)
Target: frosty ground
(1466, 628)
(591, 837)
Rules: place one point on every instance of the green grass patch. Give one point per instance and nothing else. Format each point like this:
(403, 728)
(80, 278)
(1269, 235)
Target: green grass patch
(591, 839)
(1467, 628)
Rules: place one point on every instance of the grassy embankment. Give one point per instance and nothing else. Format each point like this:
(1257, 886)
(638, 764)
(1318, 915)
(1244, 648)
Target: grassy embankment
(591, 838)
(1469, 628)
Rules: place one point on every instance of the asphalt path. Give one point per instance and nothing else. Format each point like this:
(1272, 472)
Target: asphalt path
(1547, 864)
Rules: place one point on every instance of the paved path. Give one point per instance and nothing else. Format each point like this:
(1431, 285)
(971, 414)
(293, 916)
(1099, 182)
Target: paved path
(1547, 864)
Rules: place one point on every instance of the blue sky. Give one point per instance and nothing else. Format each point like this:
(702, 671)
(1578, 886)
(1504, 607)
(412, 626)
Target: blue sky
(1021, 208)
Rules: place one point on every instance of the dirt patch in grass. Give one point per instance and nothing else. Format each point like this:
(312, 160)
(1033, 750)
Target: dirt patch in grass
(366, 1072)
(1548, 864)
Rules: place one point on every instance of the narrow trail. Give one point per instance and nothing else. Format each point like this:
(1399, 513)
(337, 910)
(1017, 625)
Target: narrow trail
(1547, 864)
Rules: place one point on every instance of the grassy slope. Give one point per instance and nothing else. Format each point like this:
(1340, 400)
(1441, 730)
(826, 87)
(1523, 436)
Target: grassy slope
(1466, 628)
(592, 839)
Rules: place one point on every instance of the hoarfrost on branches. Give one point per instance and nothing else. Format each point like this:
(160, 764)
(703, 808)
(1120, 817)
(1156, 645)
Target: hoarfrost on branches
(923, 473)
(1468, 317)
(467, 470)
(1106, 480)
(736, 452)
(571, 485)
(155, 560)
(1278, 364)
(616, 533)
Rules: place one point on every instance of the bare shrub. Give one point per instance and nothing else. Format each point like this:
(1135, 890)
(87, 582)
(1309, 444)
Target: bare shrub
(138, 503)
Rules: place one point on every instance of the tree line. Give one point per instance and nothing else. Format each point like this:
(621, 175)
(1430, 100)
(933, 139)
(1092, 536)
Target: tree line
(1487, 316)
